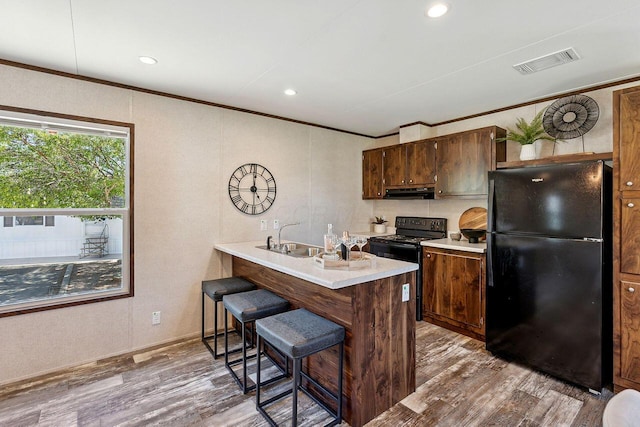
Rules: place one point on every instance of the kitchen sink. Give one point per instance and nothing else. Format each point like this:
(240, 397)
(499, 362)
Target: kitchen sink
(296, 250)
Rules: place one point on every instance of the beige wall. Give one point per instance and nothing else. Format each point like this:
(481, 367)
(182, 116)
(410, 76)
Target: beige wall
(184, 155)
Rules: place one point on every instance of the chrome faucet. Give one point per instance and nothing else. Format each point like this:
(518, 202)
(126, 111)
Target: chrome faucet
(279, 247)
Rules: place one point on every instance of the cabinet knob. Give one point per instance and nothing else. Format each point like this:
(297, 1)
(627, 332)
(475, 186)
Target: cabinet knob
(630, 205)
(629, 183)
(439, 191)
(428, 255)
(403, 181)
(410, 180)
(631, 290)
(378, 194)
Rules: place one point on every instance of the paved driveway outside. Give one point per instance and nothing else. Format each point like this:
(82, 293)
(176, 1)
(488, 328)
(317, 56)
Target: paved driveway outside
(23, 283)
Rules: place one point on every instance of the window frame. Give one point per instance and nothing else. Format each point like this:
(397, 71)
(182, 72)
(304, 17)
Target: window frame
(91, 125)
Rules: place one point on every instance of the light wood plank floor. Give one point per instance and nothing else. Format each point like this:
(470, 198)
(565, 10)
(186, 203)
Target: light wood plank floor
(460, 384)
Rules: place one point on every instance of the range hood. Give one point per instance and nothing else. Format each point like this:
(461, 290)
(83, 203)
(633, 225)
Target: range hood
(410, 193)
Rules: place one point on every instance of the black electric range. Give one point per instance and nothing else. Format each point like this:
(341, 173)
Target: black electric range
(405, 245)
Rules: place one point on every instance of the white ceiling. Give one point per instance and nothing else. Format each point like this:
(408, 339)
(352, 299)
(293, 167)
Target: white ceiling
(365, 66)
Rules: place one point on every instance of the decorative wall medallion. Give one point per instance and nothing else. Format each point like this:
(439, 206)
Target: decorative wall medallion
(252, 189)
(571, 116)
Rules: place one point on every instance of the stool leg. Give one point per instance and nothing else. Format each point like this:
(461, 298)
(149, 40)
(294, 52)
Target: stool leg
(202, 334)
(244, 358)
(258, 373)
(340, 366)
(215, 330)
(294, 390)
(226, 339)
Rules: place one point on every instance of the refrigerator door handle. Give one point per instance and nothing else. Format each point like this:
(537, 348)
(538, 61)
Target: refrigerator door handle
(591, 239)
(491, 201)
(489, 260)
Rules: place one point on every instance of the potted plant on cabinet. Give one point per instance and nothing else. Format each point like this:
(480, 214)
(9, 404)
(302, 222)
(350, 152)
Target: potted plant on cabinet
(379, 225)
(527, 134)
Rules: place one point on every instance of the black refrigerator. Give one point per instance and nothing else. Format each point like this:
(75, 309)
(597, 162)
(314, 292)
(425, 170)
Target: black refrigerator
(549, 270)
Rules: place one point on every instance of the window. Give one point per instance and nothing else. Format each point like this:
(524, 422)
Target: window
(29, 220)
(65, 192)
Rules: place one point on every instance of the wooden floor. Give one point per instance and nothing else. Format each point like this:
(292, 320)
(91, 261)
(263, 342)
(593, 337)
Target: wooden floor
(460, 384)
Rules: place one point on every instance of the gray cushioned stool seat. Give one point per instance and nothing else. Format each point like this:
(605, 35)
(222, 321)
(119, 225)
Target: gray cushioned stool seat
(247, 307)
(217, 288)
(253, 305)
(299, 333)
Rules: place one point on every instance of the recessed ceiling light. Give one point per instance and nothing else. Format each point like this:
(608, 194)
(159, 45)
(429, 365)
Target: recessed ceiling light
(437, 10)
(290, 92)
(149, 60)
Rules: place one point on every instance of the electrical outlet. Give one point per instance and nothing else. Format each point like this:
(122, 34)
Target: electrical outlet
(155, 318)
(276, 224)
(263, 225)
(405, 292)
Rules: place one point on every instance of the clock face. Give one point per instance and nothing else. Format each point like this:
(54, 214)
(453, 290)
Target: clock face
(252, 189)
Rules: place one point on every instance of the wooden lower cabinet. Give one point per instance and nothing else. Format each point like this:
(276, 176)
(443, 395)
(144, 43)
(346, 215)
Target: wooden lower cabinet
(630, 331)
(454, 290)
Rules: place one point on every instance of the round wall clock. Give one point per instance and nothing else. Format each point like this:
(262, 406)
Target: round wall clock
(252, 189)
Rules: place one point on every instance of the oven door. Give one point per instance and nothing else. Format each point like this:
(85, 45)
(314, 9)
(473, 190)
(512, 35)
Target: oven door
(400, 251)
(403, 252)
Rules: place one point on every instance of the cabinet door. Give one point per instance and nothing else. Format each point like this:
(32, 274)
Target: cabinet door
(629, 141)
(453, 289)
(395, 165)
(421, 163)
(630, 236)
(372, 174)
(630, 330)
(463, 161)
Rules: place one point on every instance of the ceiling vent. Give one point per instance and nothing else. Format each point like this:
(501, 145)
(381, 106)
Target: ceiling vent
(547, 61)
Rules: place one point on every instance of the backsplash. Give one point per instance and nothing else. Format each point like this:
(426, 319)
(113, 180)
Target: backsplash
(451, 209)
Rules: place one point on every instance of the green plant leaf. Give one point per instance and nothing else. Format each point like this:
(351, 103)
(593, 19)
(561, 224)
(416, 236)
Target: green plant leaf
(528, 133)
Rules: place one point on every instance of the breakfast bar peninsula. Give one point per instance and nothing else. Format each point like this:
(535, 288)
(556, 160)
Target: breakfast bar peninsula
(379, 368)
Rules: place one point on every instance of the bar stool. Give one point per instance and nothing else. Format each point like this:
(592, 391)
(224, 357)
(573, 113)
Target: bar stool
(247, 307)
(298, 334)
(216, 289)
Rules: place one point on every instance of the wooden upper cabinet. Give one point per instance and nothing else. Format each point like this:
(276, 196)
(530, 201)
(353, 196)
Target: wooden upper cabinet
(395, 165)
(629, 139)
(630, 231)
(421, 162)
(372, 174)
(412, 164)
(463, 160)
(456, 165)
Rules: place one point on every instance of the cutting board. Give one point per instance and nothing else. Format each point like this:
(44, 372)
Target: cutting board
(473, 218)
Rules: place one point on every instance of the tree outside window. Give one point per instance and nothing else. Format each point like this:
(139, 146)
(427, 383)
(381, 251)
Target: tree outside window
(68, 179)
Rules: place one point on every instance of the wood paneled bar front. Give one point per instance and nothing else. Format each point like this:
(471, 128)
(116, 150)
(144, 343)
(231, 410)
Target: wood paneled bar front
(379, 368)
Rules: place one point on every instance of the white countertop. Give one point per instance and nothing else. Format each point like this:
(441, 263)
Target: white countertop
(305, 269)
(458, 245)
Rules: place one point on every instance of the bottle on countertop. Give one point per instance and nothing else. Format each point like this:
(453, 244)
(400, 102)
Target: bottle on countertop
(330, 242)
(343, 247)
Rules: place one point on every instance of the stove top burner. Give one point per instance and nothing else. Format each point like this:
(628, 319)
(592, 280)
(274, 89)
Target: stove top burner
(413, 230)
(405, 239)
